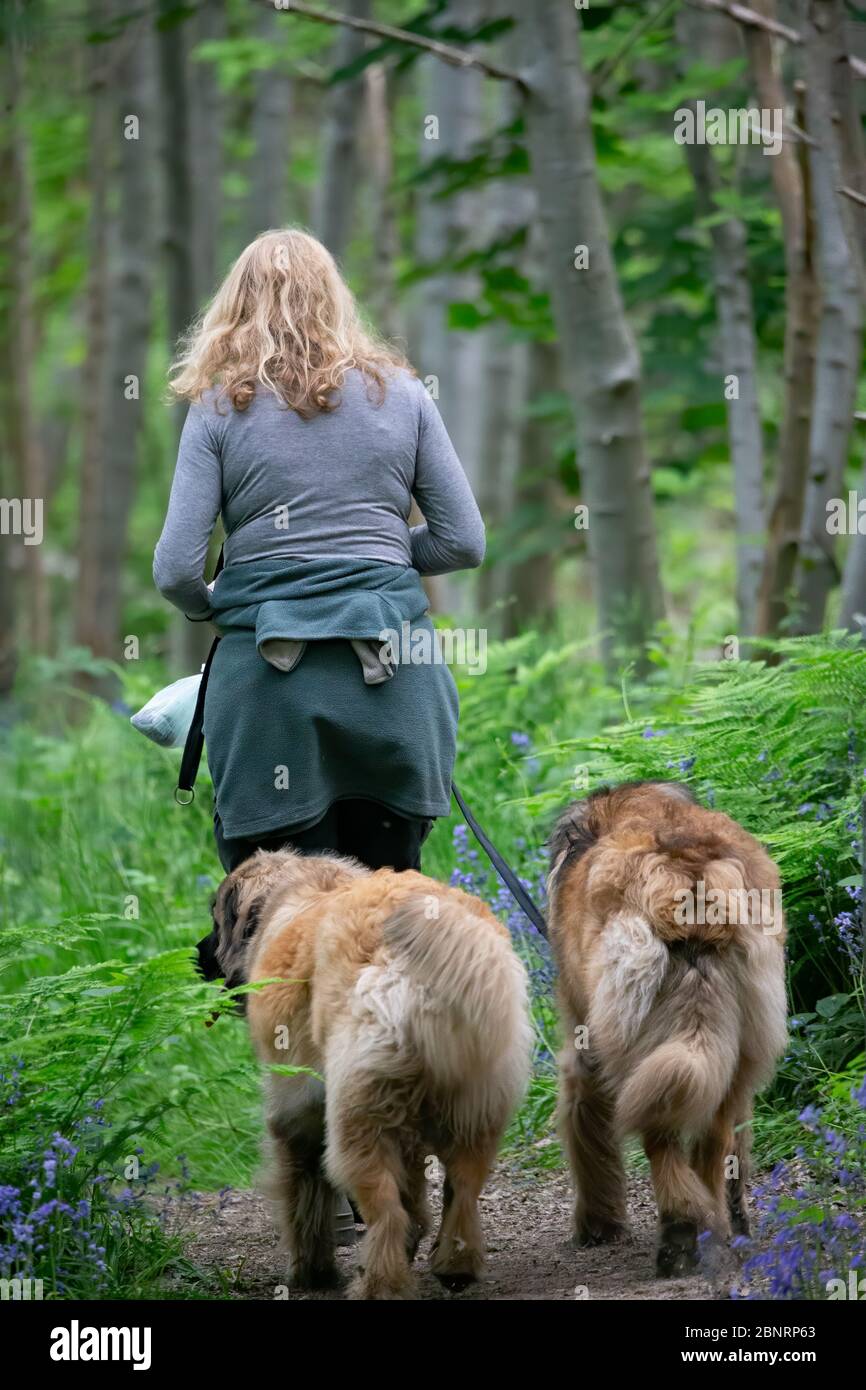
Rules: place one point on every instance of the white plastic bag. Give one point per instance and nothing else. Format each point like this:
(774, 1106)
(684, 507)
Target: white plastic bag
(166, 718)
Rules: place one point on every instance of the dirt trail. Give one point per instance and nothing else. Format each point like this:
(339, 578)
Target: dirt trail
(525, 1217)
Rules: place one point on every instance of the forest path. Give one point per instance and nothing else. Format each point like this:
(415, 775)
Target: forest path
(526, 1219)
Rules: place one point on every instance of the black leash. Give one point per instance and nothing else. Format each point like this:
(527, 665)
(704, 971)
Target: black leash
(502, 867)
(194, 746)
(191, 760)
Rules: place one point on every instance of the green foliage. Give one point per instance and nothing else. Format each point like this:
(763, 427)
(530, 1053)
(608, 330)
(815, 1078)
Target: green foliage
(76, 1047)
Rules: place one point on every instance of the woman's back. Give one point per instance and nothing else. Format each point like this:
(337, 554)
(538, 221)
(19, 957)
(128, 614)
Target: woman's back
(339, 483)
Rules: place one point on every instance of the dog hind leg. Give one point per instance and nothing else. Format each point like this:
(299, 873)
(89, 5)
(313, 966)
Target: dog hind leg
(685, 1205)
(737, 1182)
(586, 1121)
(366, 1159)
(458, 1253)
(712, 1156)
(377, 1179)
(305, 1198)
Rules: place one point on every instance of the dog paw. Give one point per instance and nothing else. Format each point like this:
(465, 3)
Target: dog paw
(455, 1283)
(307, 1276)
(596, 1231)
(365, 1289)
(678, 1250)
(457, 1268)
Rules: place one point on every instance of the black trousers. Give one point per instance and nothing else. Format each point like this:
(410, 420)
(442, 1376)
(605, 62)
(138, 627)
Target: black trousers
(366, 830)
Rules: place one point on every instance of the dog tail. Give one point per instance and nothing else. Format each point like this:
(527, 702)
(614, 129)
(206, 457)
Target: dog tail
(683, 994)
(468, 1018)
(677, 1089)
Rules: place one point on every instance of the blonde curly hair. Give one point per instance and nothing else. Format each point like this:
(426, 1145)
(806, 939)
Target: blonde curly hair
(285, 319)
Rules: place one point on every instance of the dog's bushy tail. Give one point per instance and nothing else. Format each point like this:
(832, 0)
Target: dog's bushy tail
(468, 1018)
(673, 1016)
(677, 1088)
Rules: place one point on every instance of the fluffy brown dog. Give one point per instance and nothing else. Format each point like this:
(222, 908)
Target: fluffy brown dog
(407, 998)
(673, 998)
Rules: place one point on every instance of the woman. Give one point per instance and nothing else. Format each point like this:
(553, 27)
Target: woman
(311, 439)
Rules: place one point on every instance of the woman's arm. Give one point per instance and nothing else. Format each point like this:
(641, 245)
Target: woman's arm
(193, 507)
(452, 536)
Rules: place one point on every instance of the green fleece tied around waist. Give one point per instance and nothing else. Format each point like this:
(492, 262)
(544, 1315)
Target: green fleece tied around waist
(283, 746)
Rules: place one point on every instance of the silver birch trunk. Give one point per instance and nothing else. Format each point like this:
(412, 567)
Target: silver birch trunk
(839, 342)
(599, 351)
(715, 38)
(23, 474)
(95, 371)
(450, 361)
(205, 156)
(789, 171)
(334, 200)
(131, 154)
(270, 127)
(738, 358)
(531, 578)
(188, 242)
(386, 246)
(853, 613)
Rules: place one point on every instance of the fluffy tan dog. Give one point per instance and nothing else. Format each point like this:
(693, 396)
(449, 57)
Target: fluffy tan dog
(407, 998)
(667, 924)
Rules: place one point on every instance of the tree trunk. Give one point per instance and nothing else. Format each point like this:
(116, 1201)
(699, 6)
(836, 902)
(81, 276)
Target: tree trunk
(840, 327)
(334, 199)
(10, 453)
(789, 170)
(715, 39)
(205, 155)
(24, 477)
(450, 360)
(531, 578)
(497, 466)
(188, 238)
(599, 351)
(738, 355)
(94, 377)
(850, 127)
(504, 386)
(10, 429)
(386, 245)
(270, 129)
(131, 152)
(853, 614)
(173, 49)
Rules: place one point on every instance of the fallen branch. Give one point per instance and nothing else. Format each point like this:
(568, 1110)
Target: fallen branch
(447, 53)
(853, 195)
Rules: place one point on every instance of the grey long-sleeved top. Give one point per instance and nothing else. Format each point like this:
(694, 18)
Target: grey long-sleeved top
(341, 483)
